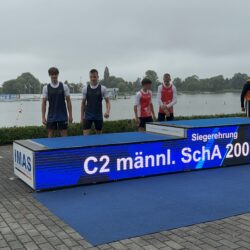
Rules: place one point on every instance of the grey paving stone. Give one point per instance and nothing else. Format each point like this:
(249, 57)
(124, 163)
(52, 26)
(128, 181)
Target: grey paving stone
(228, 243)
(190, 246)
(117, 245)
(138, 240)
(104, 246)
(127, 241)
(31, 246)
(39, 239)
(206, 247)
(69, 242)
(173, 244)
(54, 241)
(166, 248)
(133, 246)
(243, 244)
(62, 247)
(46, 246)
(10, 237)
(150, 247)
(15, 245)
(3, 243)
(213, 243)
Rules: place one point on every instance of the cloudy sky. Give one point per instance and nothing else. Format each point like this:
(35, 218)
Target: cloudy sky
(183, 37)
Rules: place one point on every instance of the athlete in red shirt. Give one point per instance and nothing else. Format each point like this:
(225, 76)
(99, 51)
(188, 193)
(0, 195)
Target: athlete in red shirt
(143, 108)
(167, 98)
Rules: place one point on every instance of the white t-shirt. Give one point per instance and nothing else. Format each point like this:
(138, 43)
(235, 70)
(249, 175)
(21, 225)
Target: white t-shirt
(104, 91)
(45, 89)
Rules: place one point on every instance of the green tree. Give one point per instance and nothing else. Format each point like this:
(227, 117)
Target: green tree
(23, 84)
(106, 74)
(31, 84)
(238, 80)
(137, 84)
(152, 75)
(177, 83)
(191, 83)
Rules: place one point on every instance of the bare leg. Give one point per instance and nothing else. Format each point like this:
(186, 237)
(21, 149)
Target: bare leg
(50, 133)
(140, 129)
(86, 131)
(64, 132)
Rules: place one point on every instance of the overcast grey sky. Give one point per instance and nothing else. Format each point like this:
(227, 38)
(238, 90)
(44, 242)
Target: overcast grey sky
(183, 37)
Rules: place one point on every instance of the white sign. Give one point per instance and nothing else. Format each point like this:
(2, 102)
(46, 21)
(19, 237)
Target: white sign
(23, 164)
(165, 130)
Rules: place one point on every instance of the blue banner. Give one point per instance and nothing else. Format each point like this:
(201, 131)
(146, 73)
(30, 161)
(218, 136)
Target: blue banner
(203, 148)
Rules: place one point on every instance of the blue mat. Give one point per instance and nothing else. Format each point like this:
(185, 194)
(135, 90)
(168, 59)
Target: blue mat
(113, 211)
(99, 140)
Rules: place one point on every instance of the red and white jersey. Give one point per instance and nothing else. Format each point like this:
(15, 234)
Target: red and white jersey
(167, 95)
(143, 102)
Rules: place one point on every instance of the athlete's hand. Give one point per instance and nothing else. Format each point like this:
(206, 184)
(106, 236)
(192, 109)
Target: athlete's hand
(82, 121)
(70, 119)
(154, 118)
(106, 115)
(82, 118)
(243, 109)
(137, 121)
(166, 111)
(44, 121)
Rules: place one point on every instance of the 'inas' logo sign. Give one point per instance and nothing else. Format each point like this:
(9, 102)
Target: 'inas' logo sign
(23, 160)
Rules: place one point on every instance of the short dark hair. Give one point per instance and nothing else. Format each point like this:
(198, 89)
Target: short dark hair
(53, 71)
(93, 71)
(146, 81)
(167, 74)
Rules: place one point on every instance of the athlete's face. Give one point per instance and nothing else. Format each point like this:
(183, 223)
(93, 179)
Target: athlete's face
(93, 77)
(54, 78)
(167, 79)
(147, 86)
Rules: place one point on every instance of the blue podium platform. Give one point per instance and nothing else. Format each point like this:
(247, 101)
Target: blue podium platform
(99, 140)
(203, 123)
(166, 147)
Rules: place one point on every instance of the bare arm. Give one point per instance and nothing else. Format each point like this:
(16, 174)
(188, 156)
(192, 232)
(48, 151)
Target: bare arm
(108, 107)
(44, 102)
(152, 110)
(136, 112)
(83, 109)
(137, 102)
(69, 106)
(242, 97)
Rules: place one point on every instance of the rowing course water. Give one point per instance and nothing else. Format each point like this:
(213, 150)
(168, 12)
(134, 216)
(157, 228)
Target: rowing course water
(24, 113)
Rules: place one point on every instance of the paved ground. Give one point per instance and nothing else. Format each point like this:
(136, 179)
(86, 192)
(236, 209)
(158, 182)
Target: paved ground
(26, 224)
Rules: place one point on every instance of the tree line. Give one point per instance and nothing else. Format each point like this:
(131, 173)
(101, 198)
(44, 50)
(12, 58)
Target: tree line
(26, 83)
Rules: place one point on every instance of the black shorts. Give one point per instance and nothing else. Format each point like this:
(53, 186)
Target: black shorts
(162, 117)
(144, 120)
(88, 124)
(62, 125)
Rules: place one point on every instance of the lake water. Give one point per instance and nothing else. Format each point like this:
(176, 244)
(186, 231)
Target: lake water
(22, 113)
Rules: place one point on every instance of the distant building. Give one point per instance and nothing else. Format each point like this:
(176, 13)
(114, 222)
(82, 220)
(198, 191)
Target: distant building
(9, 97)
(113, 93)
